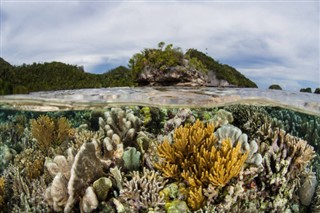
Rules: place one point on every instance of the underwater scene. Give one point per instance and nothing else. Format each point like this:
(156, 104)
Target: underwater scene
(142, 156)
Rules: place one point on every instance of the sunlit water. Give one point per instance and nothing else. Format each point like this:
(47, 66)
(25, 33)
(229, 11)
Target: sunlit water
(157, 113)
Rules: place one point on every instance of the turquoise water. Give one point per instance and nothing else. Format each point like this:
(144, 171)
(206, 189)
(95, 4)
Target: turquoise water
(160, 150)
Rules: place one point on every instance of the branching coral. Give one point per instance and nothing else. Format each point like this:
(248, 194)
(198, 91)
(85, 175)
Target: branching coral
(286, 159)
(198, 158)
(49, 132)
(142, 191)
(25, 195)
(30, 162)
(1, 193)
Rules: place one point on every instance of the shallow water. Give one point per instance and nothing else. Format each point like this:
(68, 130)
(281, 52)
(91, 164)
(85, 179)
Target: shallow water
(278, 131)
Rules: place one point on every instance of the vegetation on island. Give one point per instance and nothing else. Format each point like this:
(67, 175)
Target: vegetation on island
(275, 86)
(47, 76)
(222, 71)
(308, 90)
(56, 76)
(163, 58)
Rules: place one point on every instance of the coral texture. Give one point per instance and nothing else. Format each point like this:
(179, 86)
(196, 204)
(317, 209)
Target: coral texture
(142, 191)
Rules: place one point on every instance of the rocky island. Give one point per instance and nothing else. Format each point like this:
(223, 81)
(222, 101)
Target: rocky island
(167, 65)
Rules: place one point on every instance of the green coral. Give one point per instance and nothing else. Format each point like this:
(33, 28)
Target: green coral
(131, 159)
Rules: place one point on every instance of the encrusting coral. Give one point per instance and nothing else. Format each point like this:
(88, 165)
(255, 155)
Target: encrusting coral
(198, 158)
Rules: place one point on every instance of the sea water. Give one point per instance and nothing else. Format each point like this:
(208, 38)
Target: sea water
(152, 150)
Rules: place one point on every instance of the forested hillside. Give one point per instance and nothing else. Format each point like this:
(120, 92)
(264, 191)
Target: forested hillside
(56, 76)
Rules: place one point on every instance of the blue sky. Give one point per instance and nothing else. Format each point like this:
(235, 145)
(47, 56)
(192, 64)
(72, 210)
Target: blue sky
(271, 42)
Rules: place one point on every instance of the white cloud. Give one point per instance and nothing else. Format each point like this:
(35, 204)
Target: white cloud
(257, 38)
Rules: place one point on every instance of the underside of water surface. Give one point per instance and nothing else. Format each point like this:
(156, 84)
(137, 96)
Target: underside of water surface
(155, 151)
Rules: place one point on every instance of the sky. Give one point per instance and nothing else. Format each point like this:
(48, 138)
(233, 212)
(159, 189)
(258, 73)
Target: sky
(270, 42)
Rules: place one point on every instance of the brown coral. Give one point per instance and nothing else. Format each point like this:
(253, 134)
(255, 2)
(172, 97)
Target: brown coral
(1, 193)
(196, 157)
(50, 132)
(30, 162)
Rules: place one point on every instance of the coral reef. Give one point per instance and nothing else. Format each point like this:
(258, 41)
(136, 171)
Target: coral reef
(149, 159)
(142, 191)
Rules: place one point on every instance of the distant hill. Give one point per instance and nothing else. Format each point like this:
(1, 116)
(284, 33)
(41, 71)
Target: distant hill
(56, 76)
(222, 71)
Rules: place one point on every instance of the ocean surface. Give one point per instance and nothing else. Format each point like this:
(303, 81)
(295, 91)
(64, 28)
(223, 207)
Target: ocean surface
(160, 149)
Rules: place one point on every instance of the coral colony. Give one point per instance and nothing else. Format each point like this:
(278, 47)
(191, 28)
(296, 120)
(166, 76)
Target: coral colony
(236, 158)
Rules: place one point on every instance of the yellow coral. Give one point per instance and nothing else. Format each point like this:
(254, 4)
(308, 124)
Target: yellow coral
(195, 198)
(1, 193)
(196, 157)
(49, 132)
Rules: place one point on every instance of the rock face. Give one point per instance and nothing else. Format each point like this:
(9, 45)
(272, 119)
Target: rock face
(213, 81)
(178, 75)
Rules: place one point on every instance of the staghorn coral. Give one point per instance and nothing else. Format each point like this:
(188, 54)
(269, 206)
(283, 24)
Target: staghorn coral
(50, 133)
(142, 191)
(197, 157)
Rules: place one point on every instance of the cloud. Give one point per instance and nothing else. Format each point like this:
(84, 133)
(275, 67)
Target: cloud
(274, 39)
